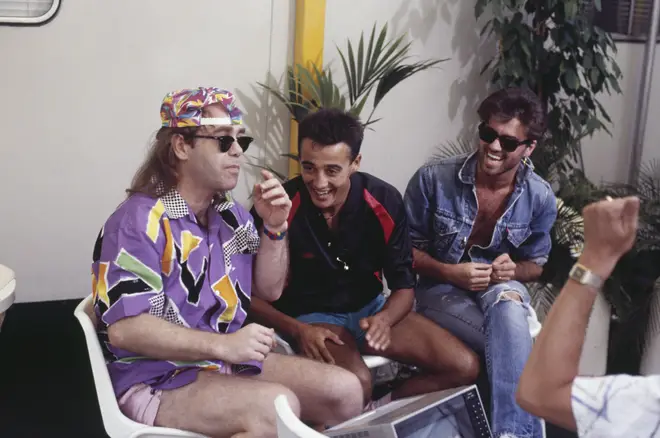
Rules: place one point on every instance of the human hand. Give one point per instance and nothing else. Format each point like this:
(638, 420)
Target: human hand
(271, 202)
(504, 269)
(311, 342)
(610, 228)
(252, 342)
(471, 276)
(378, 331)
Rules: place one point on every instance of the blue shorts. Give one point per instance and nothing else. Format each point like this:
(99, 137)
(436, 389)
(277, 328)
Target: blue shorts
(350, 321)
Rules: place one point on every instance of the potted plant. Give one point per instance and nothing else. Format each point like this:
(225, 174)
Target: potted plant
(371, 69)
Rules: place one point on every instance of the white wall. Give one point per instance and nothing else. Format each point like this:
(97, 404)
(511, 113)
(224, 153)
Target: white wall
(80, 100)
(607, 158)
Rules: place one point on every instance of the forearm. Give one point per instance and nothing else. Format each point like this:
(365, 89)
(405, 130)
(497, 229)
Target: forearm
(398, 305)
(428, 266)
(546, 382)
(262, 312)
(150, 336)
(527, 271)
(271, 266)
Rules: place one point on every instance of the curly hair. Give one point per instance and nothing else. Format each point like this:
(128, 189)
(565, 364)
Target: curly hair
(519, 103)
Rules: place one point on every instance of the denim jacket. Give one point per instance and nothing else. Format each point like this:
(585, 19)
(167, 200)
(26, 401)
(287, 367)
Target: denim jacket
(441, 204)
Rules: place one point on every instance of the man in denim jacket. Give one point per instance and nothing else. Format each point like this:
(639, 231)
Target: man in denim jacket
(480, 226)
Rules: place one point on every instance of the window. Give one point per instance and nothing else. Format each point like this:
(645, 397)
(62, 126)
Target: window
(27, 11)
(626, 20)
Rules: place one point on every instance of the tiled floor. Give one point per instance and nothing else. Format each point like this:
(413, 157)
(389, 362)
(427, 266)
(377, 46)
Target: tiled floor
(46, 386)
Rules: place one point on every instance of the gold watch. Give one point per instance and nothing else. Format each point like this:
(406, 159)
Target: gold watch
(584, 275)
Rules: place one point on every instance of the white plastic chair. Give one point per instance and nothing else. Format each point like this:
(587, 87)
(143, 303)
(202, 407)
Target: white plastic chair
(7, 286)
(116, 424)
(290, 426)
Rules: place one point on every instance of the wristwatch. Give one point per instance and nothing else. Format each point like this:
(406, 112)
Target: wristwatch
(583, 275)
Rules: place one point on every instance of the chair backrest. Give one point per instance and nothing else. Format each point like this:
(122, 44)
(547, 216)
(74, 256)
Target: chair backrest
(7, 286)
(290, 426)
(115, 422)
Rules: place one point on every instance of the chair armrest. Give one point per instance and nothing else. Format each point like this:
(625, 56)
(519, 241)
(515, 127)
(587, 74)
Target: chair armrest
(284, 344)
(375, 361)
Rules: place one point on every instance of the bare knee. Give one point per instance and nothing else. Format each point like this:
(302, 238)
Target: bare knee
(364, 376)
(262, 421)
(345, 394)
(466, 367)
(512, 296)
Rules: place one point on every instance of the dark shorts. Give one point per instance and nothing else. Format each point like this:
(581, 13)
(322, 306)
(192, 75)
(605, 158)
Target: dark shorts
(350, 321)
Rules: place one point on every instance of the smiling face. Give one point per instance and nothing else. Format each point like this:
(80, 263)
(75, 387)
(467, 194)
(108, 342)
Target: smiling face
(202, 164)
(493, 159)
(326, 172)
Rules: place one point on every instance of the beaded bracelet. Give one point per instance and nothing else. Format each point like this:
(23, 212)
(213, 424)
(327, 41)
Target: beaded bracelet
(275, 236)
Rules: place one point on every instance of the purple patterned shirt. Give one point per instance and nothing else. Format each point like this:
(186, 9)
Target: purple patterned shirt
(152, 256)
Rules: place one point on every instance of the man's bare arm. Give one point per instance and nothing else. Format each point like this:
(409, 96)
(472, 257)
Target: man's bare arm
(398, 305)
(153, 337)
(271, 266)
(527, 271)
(545, 385)
(263, 312)
(430, 267)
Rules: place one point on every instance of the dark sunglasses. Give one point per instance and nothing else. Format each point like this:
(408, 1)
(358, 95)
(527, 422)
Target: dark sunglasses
(225, 141)
(508, 143)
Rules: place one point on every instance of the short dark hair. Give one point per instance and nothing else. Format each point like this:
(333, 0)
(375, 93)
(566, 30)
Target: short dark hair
(520, 103)
(329, 126)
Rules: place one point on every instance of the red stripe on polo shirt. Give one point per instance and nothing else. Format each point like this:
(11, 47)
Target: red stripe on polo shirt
(295, 203)
(386, 221)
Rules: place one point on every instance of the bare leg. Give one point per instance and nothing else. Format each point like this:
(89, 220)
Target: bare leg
(348, 357)
(328, 394)
(445, 361)
(218, 405)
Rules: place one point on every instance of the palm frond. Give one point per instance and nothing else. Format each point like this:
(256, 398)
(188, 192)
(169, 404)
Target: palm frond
(378, 63)
(543, 295)
(451, 149)
(398, 73)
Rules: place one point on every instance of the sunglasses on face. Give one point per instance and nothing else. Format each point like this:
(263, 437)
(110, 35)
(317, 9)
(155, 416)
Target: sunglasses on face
(225, 141)
(508, 143)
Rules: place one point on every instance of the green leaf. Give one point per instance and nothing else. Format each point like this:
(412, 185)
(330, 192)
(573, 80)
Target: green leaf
(485, 67)
(570, 9)
(356, 109)
(352, 77)
(347, 74)
(594, 75)
(571, 79)
(294, 157)
(479, 8)
(360, 60)
(397, 74)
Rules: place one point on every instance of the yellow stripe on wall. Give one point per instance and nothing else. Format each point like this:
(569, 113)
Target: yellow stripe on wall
(307, 50)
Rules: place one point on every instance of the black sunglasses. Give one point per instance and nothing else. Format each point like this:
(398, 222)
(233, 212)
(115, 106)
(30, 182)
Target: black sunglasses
(508, 143)
(225, 141)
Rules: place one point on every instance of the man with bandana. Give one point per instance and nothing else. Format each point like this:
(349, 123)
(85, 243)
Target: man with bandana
(480, 224)
(174, 269)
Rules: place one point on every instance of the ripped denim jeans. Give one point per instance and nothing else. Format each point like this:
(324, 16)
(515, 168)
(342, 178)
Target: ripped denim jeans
(495, 326)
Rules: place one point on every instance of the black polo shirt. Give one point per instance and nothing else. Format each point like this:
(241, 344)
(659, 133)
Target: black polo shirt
(340, 271)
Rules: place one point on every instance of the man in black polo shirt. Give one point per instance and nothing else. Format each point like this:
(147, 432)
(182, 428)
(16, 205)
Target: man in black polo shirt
(347, 228)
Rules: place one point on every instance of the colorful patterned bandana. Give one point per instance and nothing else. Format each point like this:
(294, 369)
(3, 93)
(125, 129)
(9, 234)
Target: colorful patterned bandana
(183, 108)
